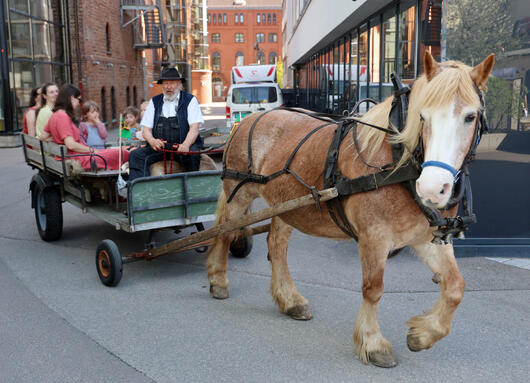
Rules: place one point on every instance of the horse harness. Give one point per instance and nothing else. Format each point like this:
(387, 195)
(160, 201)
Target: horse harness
(387, 174)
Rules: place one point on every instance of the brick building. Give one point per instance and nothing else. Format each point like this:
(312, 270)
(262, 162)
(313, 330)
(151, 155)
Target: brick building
(242, 33)
(105, 65)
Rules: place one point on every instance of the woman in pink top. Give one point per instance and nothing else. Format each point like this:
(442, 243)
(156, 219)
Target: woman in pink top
(30, 117)
(62, 130)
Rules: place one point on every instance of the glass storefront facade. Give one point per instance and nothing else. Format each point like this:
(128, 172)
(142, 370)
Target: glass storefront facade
(358, 65)
(34, 51)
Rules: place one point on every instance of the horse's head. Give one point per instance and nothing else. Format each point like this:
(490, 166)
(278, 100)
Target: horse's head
(447, 102)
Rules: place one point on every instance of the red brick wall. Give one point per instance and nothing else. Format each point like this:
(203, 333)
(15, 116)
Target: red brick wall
(227, 48)
(92, 67)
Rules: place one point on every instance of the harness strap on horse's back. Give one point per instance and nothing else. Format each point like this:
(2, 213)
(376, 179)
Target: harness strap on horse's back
(249, 176)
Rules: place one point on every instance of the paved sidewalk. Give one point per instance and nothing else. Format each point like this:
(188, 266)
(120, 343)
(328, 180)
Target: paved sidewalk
(523, 263)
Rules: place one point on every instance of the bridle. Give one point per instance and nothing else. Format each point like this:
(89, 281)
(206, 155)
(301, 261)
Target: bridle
(481, 126)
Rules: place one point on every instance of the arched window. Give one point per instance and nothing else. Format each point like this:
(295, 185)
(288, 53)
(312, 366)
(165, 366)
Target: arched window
(268, 18)
(241, 18)
(274, 18)
(112, 104)
(219, 18)
(225, 18)
(135, 96)
(273, 58)
(107, 37)
(260, 58)
(103, 105)
(236, 18)
(258, 18)
(209, 18)
(128, 96)
(263, 18)
(214, 19)
(216, 61)
(240, 58)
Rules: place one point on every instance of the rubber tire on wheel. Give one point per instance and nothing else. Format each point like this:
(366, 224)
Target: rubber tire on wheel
(48, 212)
(241, 247)
(109, 263)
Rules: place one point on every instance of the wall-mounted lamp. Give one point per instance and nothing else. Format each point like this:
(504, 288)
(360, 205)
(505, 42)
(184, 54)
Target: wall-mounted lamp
(95, 62)
(123, 66)
(110, 65)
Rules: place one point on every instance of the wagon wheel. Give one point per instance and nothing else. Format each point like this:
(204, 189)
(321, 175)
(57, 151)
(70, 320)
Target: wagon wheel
(48, 212)
(109, 263)
(241, 247)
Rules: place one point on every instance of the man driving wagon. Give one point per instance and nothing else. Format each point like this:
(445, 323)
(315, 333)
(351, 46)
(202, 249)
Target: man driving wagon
(170, 122)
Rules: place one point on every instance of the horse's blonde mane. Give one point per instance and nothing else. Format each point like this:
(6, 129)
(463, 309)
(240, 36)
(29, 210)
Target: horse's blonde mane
(452, 81)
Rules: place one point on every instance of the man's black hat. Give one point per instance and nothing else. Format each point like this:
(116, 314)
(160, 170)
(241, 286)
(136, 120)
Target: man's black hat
(170, 74)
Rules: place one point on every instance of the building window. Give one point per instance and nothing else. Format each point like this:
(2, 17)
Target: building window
(236, 18)
(273, 58)
(263, 18)
(258, 17)
(239, 38)
(260, 59)
(241, 18)
(103, 105)
(113, 104)
(107, 37)
(268, 18)
(273, 38)
(214, 19)
(240, 58)
(135, 96)
(209, 18)
(274, 18)
(219, 18)
(128, 96)
(407, 43)
(216, 37)
(225, 18)
(260, 37)
(216, 61)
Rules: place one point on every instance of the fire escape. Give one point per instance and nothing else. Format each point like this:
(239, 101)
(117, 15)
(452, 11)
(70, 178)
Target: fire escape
(146, 18)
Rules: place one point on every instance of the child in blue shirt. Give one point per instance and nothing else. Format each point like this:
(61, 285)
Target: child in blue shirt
(93, 131)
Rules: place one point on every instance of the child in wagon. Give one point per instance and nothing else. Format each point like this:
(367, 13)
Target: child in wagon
(131, 115)
(92, 131)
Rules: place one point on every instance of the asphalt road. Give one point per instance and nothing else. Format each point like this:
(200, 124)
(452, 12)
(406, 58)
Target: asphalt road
(58, 323)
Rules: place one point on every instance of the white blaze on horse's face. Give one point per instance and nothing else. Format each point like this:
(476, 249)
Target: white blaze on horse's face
(447, 135)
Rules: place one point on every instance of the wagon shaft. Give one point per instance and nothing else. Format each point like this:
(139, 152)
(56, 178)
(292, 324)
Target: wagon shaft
(246, 220)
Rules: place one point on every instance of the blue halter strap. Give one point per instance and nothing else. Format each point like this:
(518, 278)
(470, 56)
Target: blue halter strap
(442, 165)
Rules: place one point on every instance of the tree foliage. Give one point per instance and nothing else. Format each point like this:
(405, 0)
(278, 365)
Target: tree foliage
(476, 28)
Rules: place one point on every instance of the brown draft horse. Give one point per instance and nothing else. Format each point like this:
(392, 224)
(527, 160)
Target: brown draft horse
(443, 107)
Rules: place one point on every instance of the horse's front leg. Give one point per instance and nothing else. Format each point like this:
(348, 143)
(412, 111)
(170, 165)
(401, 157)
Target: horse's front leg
(370, 343)
(282, 287)
(427, 329)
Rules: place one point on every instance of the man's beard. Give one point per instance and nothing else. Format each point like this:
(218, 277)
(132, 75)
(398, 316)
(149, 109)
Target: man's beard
(170, 98)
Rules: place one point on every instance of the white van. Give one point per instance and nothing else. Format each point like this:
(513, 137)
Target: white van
(253, 89)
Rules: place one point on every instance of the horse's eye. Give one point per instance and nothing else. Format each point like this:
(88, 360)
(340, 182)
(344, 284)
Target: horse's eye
(470, 118)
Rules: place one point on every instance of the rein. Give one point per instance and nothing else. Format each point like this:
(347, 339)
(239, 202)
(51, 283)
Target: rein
(387, 175)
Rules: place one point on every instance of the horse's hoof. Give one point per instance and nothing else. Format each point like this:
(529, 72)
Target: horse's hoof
(301, 312)
(413, 342)
(218, 292)
(382, 359)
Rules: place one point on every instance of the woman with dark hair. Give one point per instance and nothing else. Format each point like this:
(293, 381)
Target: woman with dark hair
(49, 95)
(62, 130)
(28, 123)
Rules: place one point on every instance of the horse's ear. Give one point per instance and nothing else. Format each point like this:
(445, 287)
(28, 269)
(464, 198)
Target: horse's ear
(430, 65)
(481, 72)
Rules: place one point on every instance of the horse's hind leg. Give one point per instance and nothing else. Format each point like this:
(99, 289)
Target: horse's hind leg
(370, 343)
(217, 263)
(426, 329)
(283, 289)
